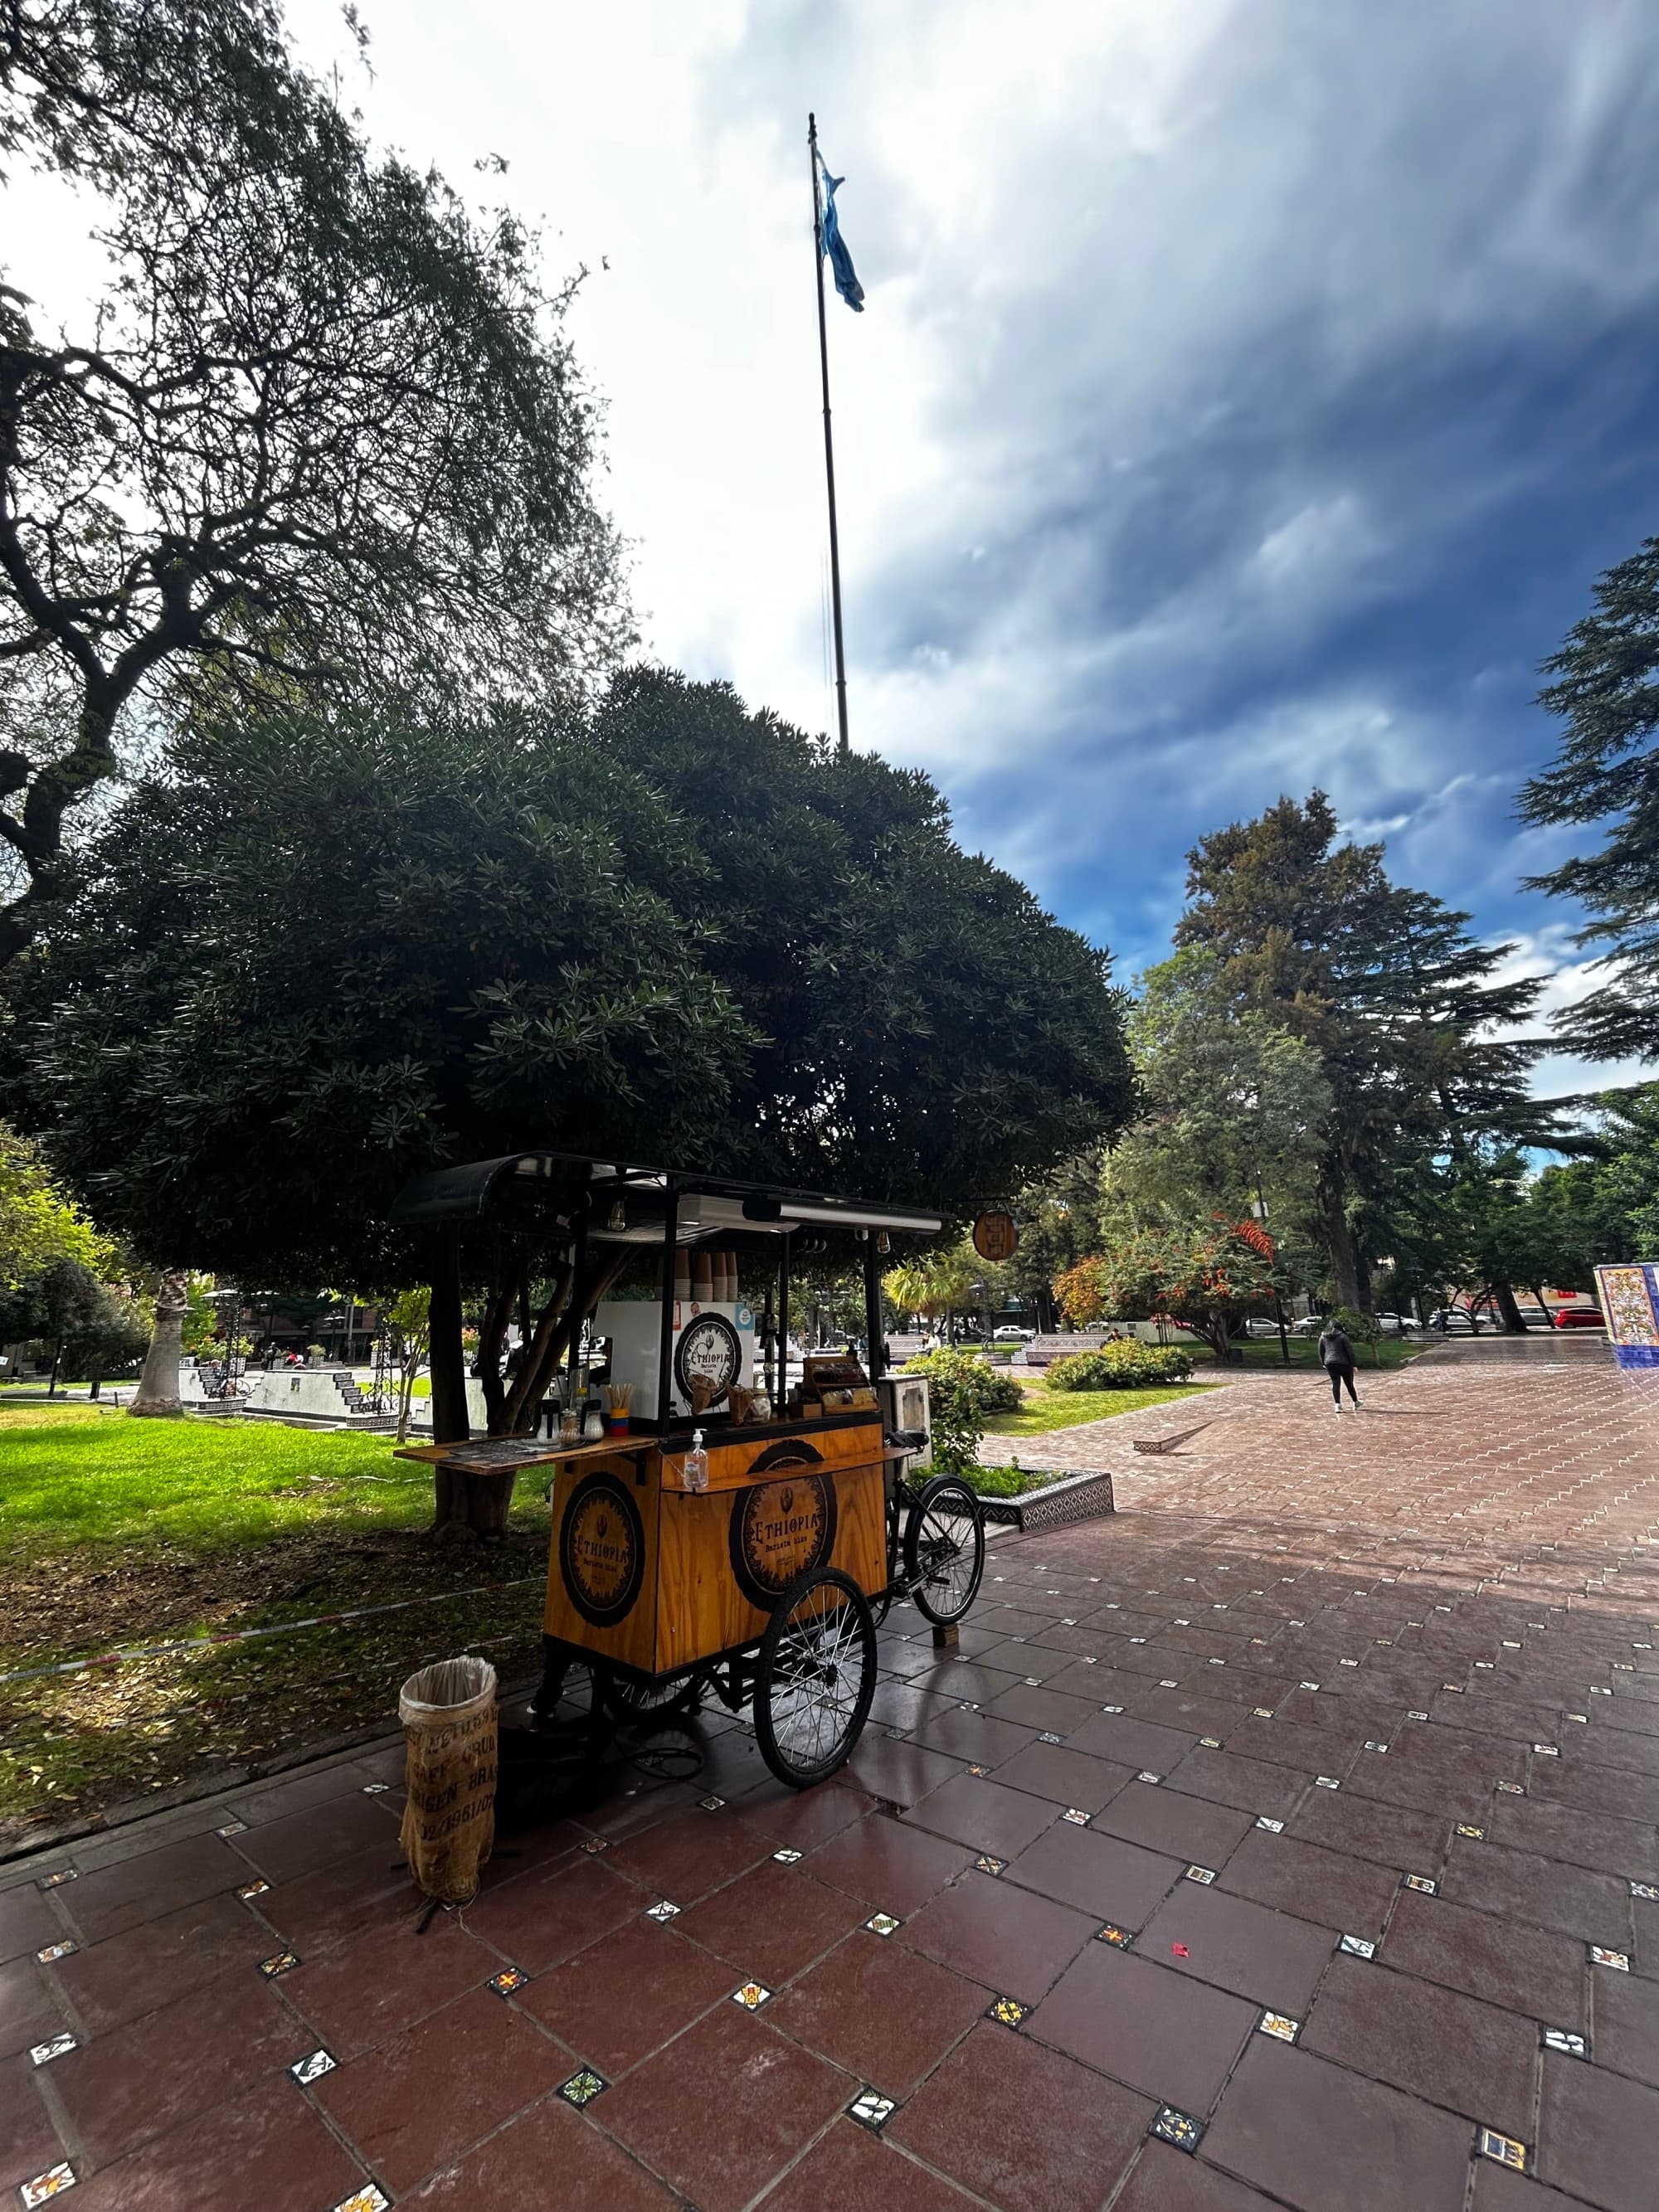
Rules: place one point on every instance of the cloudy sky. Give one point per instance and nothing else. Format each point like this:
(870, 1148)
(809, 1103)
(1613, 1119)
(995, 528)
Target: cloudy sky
(1248, 391)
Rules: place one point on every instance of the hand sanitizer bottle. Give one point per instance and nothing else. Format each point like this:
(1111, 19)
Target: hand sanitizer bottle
(696, 1464)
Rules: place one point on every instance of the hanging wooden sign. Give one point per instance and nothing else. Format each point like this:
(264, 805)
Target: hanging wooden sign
(996, 1235)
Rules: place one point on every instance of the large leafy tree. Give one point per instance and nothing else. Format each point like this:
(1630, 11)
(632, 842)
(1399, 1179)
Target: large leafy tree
(320, 435)
(323, 953)
(39, 1225)
(1203, 1274)
(1606, 776)
(1404, 1007)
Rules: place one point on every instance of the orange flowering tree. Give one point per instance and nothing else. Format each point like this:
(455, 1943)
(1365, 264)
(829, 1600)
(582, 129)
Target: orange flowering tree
(1204, 1275)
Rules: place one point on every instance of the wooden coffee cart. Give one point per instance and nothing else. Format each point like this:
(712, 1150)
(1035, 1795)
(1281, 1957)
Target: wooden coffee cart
(761, 1581)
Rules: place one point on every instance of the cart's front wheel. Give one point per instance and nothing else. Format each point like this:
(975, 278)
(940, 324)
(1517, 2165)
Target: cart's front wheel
(814, 1677)
(945, 1549)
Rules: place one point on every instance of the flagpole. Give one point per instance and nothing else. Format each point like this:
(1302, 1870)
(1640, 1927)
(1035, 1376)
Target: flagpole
(828, 441)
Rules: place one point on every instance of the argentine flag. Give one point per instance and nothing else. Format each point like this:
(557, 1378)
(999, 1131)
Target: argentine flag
(847, 281)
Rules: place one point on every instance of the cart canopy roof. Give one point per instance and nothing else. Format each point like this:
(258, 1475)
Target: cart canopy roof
(627, 1203)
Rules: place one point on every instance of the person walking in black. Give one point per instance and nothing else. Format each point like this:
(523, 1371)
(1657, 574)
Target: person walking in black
(1336, 1356)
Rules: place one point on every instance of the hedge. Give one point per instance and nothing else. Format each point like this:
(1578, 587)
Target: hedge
(1129, 1366)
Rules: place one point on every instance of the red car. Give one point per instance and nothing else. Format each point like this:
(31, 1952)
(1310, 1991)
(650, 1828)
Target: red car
(1578, 1317)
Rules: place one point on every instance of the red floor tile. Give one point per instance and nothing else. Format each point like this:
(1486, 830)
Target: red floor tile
(1006, 1938)
(1352, 1895)
(1524, 1969)
(1626, 1848)
(1440, 2045)
(685, 1857)
(26, 1922)
(29, 2011)
(541, 1918)
(549, 2156)
(1543, 1893)
(1252, 1786)
(983, 1815)
(1166, 1820)
(1021, 2125)
(888, 1865)
(156, 1882)
(1320, 2138)
(899, 1772)
(29, 2141)
(724, 2107)
(268, 2148)
(1597, 2134)
(1627, 2025)
(1100, 1874)
(1394, 1836)
(362, 1993)
(156, 2074)
(1063, 1776)
(980, 1738)
(771, 1923)
(1172, 2038)
(625, 1995)
(1134, 1743)
(885, 2013)
(849, 2169)
(1238, 1945)
(418, 2101)
(300, 1843)
(1169, 2180)
(351, 1898)
(149, 1965)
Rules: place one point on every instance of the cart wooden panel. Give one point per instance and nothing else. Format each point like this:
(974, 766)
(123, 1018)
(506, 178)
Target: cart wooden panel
(656, 1577)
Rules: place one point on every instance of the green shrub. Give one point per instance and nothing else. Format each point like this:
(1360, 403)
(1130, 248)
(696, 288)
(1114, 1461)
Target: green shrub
(1129, 1366)
(964, 1391)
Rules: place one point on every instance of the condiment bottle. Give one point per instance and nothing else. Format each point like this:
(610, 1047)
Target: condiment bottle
(696, 1476)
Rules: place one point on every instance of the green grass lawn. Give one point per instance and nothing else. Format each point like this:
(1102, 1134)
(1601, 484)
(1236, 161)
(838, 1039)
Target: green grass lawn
(1046, 1410)
(1264, 1351)
(117, 1532)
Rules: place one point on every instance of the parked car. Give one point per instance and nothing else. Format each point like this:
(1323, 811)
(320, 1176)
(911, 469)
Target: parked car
(1394, 1324)
(1259, 1325)
(1452, 1321)
(1578, 1317)
(1010, 1333)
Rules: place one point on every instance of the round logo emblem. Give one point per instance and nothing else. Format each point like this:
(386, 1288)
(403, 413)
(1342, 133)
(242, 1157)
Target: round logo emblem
(996, 1235)
(710, 1351)
(779, 1529)
(602, 1550)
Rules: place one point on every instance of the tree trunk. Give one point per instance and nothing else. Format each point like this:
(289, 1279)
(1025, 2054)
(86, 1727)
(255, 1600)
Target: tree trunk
(1504, 1297)
(1344, 1256)
(158, 1386)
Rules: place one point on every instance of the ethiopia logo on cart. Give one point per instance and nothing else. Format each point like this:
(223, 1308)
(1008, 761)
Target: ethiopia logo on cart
(602, 1550)
(779, 1529)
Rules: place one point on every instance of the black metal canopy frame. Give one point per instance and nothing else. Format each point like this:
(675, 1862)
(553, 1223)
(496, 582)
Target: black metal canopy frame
(622, 1202)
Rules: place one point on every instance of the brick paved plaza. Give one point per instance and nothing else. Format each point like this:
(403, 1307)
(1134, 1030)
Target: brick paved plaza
(1289, 1839)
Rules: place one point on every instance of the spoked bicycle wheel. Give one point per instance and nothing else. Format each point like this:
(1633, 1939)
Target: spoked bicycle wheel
(945, 1549)
(814, 1677)
(631, 1697)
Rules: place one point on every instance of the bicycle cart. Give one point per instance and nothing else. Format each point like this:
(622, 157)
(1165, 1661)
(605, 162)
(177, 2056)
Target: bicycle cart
(756, 1568)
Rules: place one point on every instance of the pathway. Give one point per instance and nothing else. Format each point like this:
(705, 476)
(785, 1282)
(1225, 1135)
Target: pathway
(1288, 1840)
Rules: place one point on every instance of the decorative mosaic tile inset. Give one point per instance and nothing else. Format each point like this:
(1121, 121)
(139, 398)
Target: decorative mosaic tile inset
(1326, 1781)
(1111, 1709)
(280, 1963)
(1180, 2128)
(1548, 1750)
(1505, 2148)
(55, 1951)
(232, 1828)
(1168, 1683)
(45, 2186)
(981, 1770)
(1076, 1816)
(1211, 1742)
(965, 1708)
(710, 1804)
(1564, 2040)
(1264, 1712)
(1582, 1719)
(595, 1845)
(582, 2087)
(1309, 1685)
(1048, 1737)
(369, 2199)
(1372, 1745)
(1468, 1828)
(1202, 1874)
(1274, 1827)
(56, 1880)
(1119, 1937)
(752, 1995)
(508, 1979)
(871, 2110)
(1619, 1961)
(1511, 1789)
(883, 1924)
(1642, 1889)
(1417, 1716)
(253, 1889)
(312, 2069)
(1276, 2023)
(42, 2054)
(1357, 1947)
(662, 1911)
(1146, 1775)
(375, 1789)
(987, 1864)
(1008, 2012)
(1419, 1882)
